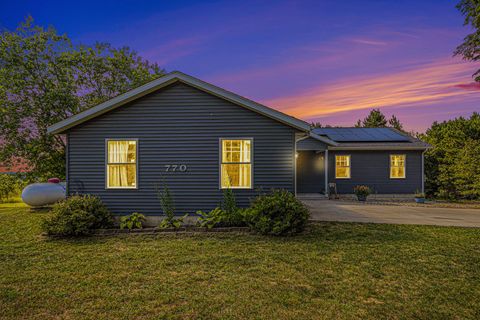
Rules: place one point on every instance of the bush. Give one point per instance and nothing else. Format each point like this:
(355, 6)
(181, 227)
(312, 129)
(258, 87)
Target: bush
(77, 215)
(10, 185)
(133, 221)
(277, 213)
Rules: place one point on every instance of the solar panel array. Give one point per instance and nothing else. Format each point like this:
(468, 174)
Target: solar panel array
(361, 134)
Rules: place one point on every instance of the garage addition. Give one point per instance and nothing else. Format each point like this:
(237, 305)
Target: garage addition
(199, 139)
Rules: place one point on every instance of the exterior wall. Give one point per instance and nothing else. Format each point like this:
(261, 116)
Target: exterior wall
(179, 125)
(372, 168)
(310, 172)
(311, 144)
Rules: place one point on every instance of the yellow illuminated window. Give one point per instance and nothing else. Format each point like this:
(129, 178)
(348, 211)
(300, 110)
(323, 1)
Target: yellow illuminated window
(121, 164)
(342, 167)
(236, 164)
(397, 166)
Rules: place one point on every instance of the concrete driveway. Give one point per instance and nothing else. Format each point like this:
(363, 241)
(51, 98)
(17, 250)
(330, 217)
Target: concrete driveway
(331, 210)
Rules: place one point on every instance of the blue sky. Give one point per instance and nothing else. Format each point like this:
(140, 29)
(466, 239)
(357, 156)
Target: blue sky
(327, 61)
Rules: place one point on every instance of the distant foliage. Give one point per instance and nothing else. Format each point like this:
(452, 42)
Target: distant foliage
(277, 213)
(45, 78)
(77, 215)
(376, 119)
(133, 221)
(452, 165)
(470, 48)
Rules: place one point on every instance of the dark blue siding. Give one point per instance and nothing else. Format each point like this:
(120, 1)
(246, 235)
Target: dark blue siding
(372, 168)
(179, 125)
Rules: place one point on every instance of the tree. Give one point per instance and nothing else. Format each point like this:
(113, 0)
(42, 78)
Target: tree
(315, 125)
(470, 48)
(375, 119)
(44, 78)
(451, 166)
(395, 123)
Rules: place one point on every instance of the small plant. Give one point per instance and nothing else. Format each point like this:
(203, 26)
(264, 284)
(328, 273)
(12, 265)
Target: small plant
(133, 221)
(210, 219)
(362, 192)
(277, 213)
(232, 214)
(77, 215)
(168, 208)
(419, 196)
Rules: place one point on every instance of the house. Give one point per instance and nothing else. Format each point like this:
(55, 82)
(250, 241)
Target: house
(198, 139)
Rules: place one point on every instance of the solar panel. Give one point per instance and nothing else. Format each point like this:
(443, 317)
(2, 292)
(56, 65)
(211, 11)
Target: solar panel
(361, 134)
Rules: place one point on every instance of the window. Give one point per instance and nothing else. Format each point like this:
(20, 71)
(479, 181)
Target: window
(397, 166)
(342, 167)
(122, 164)
(236, 164)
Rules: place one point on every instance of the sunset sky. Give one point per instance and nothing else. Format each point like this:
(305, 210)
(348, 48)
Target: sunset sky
(326, 61)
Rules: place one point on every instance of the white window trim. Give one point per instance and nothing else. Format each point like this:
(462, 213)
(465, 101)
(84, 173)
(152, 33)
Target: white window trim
(404, 165)
(220, 154)
(136, 164)
(350, 166)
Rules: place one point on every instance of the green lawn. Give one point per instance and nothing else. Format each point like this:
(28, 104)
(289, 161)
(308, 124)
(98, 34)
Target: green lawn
(335, 271)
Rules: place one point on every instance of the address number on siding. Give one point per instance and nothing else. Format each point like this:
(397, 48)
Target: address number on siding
(175, 167)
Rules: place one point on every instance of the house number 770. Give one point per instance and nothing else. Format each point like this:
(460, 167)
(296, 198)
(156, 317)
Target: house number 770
(175, 167)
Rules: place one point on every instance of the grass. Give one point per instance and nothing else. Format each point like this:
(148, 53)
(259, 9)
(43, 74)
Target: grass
(334, 271)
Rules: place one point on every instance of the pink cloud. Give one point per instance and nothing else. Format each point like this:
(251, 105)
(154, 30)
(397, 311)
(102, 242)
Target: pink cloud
(424, 84)
(469, 86)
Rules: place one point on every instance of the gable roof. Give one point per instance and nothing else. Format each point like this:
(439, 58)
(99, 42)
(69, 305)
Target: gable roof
(370, 139)
(164, 81)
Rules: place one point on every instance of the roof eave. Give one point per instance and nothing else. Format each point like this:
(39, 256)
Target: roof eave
(323, 139)
(370, 148)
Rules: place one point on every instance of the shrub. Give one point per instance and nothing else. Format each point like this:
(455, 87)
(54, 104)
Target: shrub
(10, 185)
(362, 191)
(277, 213)
(77, 215)
(133, 221)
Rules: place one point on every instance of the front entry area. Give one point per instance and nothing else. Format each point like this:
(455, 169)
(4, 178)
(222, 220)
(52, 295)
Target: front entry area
(310, 171)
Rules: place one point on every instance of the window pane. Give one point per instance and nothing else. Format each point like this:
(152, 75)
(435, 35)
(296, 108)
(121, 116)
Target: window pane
(122, 151)
(342, 166)
(342, 172)
(236, 150)
(236, 176)
(397, 166)
(122, 176)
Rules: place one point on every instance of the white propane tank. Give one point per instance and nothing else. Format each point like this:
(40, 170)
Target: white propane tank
(42, 194)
